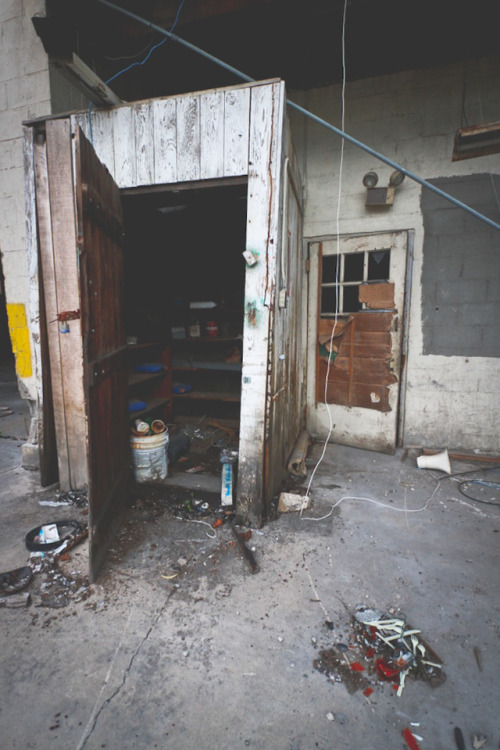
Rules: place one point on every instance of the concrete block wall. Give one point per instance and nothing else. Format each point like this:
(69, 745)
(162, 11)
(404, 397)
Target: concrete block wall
(461, 270)
(410, 117)
(28, 89)
(24, 93)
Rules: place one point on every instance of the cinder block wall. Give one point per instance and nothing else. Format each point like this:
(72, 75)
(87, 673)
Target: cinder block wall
(24, 93)
(449, 399)
(28, 89)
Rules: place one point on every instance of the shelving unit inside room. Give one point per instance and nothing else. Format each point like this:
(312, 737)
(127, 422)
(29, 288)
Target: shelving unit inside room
(149, 381)
(184, 290)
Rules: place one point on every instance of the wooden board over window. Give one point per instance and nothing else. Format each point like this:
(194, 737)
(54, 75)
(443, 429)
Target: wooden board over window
(360, 361)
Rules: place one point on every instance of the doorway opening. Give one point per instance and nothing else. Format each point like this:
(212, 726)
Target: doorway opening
(184, 288)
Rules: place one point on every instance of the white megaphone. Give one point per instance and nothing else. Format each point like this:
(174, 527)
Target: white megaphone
(440, 461)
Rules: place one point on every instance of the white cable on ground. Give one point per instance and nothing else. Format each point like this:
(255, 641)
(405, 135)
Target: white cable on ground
(375, 502)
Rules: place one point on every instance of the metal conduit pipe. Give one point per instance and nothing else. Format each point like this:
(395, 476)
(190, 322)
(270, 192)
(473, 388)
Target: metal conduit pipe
(308, 114)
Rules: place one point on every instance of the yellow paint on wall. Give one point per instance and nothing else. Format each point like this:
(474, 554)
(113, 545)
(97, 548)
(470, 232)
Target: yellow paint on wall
(20, 338)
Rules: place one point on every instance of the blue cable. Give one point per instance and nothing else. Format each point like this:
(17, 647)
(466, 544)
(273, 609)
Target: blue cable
(135, 64)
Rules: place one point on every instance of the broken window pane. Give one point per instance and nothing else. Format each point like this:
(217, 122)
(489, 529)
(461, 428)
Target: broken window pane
(353, 266)
(379, 262)
(351, 299)
(328, 299)
(329, 269)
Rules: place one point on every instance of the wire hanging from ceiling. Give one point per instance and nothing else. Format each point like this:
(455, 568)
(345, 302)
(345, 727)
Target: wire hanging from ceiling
(337, 265)
(137, 63)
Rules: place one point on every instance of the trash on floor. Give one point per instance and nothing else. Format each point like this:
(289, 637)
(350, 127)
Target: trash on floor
(439, 461)
(246, 552)
(410, 739)
(289, 502)
(14, 581)
(479, 740)
(54, 536)
(78, 498)
(15, 601)
(382, 649)
(228, 459)
(398, 649)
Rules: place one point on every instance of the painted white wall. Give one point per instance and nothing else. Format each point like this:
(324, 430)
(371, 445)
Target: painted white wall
(411, 118)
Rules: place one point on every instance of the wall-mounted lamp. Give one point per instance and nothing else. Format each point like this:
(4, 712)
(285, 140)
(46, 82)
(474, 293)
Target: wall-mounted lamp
(381, 196)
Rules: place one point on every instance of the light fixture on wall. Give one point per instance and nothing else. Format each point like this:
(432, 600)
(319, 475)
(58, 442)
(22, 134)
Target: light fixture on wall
(381, 196)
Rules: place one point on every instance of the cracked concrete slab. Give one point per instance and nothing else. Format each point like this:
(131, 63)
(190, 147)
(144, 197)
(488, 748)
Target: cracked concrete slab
(216, 657)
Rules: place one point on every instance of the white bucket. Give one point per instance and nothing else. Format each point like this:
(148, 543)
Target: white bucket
(149, 457)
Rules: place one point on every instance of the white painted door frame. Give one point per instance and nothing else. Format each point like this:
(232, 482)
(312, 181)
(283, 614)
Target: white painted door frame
(351, 425)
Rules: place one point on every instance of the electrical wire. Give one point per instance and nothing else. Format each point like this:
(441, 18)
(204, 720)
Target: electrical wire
(427, 502)
(337, 266)
(128, 57)
(359, 144)
(482, 483)
(136, 64)
(376, 502)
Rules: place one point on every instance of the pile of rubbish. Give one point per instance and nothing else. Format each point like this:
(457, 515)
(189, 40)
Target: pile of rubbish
(395, 649)
(383, 649)
(49, 545)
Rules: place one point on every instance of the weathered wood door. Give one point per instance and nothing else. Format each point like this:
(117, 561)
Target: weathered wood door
(81, 236)
(287, 340)
(355, 338)
(100, 238)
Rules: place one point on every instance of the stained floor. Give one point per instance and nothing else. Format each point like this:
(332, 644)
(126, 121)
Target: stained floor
(180, 646)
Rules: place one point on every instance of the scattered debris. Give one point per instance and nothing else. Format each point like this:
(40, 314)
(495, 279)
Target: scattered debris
(334, 666)
(58, 589)
(479, 740)
(247, 553)
(289, 502)
(384, 649)
(439, 461)
(410, 739)
(195, 469)
(78, 498)
(479, 659)
(50, 536)
(15, 580)
(15, 600)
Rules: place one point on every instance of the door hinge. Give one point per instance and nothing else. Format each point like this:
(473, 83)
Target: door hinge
(308, 264)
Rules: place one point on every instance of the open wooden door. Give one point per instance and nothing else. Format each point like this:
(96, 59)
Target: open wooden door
(285, 416)
(80, 233)
(100, 238)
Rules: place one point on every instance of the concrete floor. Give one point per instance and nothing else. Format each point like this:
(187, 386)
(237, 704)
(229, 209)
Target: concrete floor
(219, 659)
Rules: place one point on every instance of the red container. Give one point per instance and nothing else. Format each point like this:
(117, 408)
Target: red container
(211, 328)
